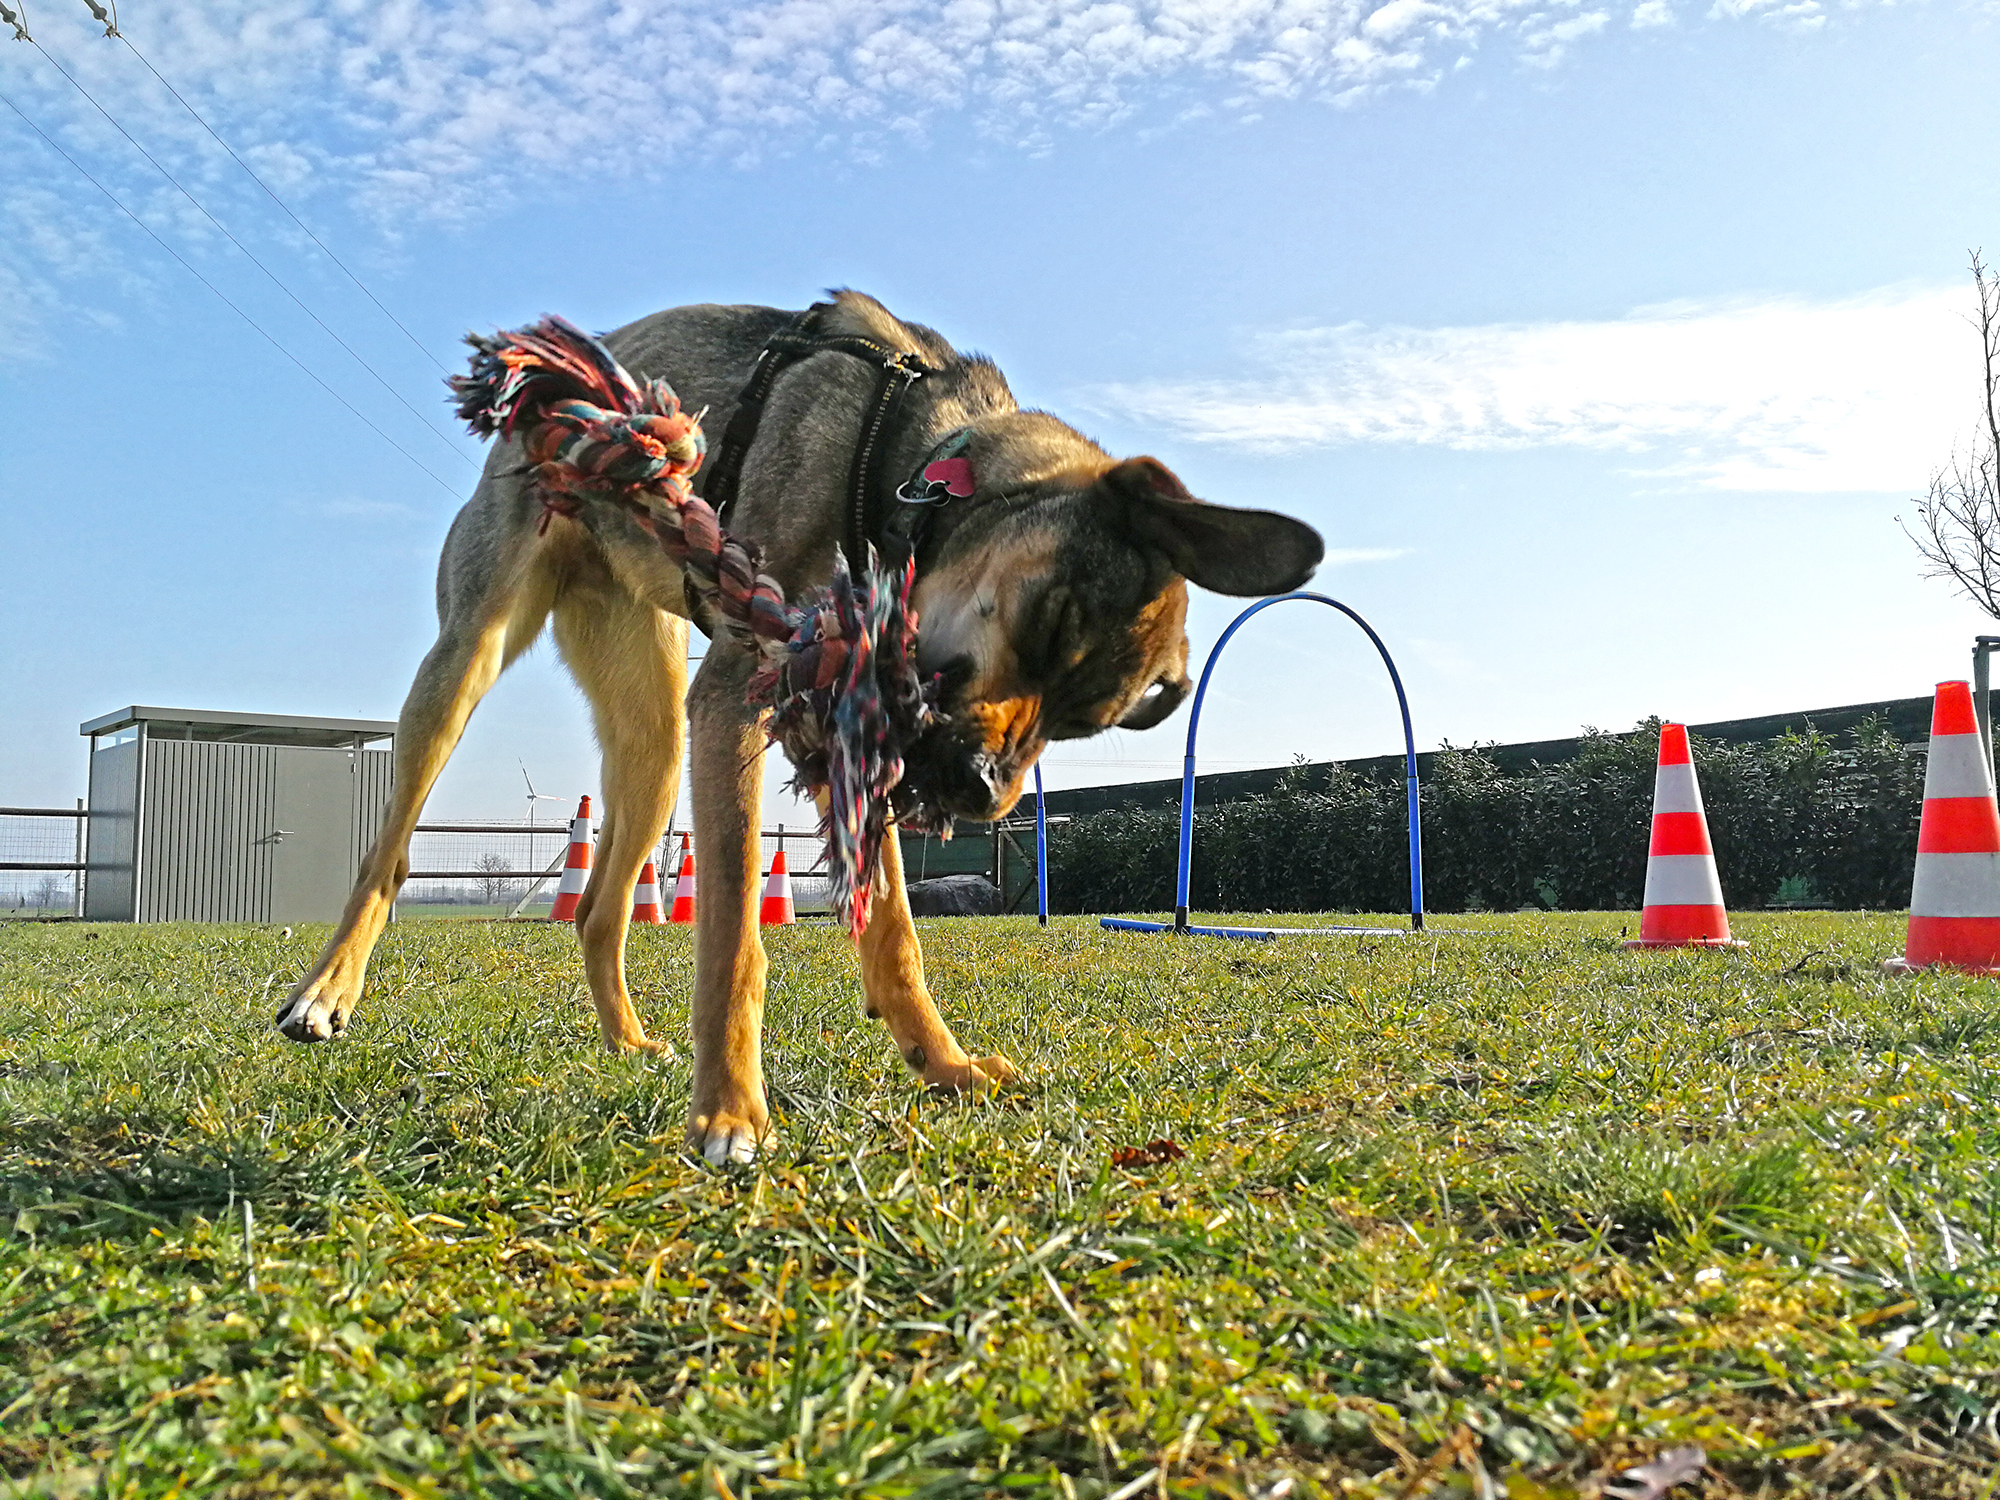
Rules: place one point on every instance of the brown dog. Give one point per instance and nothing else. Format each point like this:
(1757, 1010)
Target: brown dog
(1051, 600)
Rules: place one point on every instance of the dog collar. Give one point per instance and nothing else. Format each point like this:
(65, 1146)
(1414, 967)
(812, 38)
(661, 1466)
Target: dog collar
(945, 475)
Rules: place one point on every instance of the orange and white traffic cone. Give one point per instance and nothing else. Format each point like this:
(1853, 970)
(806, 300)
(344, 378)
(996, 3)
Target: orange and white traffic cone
(576, 869)
(646, 898)
(1955, 898)
(684, 886)
(1683, 903)
(776, 910)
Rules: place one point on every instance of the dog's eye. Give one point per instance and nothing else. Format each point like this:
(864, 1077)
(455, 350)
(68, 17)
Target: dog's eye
(1048, 646)
(955, 674)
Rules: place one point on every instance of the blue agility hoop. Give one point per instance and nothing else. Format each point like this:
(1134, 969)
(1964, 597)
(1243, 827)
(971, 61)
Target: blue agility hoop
(1041, 850)
(1194, 727)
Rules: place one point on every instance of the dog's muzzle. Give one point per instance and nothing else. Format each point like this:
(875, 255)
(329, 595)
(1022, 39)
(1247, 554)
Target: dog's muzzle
(949, 774)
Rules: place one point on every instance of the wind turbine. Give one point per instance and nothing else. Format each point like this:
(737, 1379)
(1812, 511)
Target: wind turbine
(533, 797)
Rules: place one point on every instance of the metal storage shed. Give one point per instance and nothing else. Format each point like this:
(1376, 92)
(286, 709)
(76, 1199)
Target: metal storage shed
(213, 817)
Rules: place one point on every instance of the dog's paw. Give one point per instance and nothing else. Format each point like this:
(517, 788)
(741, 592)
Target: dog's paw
(645, 1046)
(725, 1136)
(314, 1012)
(976, 1075)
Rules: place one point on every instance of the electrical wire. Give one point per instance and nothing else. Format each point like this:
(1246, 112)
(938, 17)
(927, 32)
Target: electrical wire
(119, 204)
(435, 430)
(269, 193)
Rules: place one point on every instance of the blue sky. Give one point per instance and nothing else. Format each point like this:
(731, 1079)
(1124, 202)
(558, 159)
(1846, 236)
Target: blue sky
(1604, 343)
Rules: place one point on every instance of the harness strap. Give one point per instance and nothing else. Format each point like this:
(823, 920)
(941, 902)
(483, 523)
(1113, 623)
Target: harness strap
(726, 471)
(864, 478)
(865, 490)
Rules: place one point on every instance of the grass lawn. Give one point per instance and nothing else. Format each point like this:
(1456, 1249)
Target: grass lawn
(1498, 1212)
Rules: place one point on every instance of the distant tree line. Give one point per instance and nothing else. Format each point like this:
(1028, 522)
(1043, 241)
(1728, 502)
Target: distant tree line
(1803, 819)
(45, 894)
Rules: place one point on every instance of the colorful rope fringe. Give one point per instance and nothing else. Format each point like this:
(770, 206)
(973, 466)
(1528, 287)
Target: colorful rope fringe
(837, 670)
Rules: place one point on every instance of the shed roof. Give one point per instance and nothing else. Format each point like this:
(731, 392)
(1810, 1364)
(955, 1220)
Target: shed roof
(254, 729)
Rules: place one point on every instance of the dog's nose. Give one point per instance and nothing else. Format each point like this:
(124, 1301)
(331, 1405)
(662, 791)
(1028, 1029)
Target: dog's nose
(998, 783)
(1001, 784)
(985, 787)
(978, 790)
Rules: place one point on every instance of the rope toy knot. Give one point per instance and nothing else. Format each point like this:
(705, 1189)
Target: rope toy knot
(836, 670)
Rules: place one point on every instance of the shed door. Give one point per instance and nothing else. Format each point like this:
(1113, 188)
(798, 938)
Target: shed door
(312, 853)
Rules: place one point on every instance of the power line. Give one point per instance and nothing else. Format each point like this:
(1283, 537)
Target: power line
(112, 30)
(436, 431)
(119, 204)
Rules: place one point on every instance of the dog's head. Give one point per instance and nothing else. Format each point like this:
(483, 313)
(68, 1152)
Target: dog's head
(1056, 608)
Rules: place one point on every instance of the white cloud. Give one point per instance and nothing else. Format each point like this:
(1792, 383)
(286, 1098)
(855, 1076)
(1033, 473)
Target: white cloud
(1547, 44)
(1796, 15)
(448, 107)
(1652, 13)
(20, 328)
(1868, 393)
(50, 258)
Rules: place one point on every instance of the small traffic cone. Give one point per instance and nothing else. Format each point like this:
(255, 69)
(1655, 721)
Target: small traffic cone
(576, 870)
(776, 910)
(684, 886)
(1955, 898)
(1683, 902)
(646, 898)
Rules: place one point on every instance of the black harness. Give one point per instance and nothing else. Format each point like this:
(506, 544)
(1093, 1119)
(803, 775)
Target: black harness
(867, 494)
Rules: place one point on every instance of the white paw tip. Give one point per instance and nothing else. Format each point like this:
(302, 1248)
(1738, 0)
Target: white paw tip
(736, 1147)
(299, 1022)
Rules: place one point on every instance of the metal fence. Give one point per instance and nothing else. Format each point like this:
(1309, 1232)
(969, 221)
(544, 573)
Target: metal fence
(41, 860)
(1004, 853)
(514, 867)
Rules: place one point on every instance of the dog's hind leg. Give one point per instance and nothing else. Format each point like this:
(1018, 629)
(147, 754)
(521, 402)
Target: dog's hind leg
(892, 978)
(727, 1116)
(473, 648)
(631, 660)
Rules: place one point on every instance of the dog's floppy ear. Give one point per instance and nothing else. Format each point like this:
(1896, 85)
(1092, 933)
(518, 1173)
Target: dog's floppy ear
(1226, 551)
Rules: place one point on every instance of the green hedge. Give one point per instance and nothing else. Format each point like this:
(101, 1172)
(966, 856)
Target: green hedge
(1802, 819)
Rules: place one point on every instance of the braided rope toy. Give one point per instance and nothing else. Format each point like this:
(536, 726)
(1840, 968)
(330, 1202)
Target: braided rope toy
(837, 669)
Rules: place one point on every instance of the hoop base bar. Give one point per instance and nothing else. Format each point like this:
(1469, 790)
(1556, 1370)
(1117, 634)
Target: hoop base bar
(1123, 924)
(1259, 934)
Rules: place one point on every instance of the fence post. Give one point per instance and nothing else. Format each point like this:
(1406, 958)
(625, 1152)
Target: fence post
(1982, 695)
(76, 883)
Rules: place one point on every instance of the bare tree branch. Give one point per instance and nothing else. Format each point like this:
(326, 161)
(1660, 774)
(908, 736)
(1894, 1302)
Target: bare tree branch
(493, 887)
(1958, 521)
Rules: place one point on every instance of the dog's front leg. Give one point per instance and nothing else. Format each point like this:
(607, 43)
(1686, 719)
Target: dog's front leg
(892, 977)
(727, 1118)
